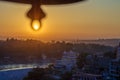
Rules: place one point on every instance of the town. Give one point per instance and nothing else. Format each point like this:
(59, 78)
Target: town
(74, 66)
(64, 60)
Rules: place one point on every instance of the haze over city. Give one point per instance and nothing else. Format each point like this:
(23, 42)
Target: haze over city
(91, 19)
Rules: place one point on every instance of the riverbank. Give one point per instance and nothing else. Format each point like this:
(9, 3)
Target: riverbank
(17, 72)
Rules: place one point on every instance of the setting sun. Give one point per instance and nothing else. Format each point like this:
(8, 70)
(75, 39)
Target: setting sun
(36, 25)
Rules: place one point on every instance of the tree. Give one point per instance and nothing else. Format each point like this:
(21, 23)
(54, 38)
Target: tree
(111, 55)
(81, 59)
(67, 76)
(35, 74)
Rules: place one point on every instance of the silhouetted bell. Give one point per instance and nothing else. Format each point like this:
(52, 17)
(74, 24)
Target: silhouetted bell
(36, 14)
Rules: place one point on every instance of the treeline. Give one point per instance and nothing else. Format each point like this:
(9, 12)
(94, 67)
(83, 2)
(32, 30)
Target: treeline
(24, 50)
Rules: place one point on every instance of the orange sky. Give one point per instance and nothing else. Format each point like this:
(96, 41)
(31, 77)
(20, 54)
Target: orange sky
(91, 19)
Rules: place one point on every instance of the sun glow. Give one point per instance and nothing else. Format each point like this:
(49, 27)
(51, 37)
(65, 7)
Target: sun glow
(36, 25)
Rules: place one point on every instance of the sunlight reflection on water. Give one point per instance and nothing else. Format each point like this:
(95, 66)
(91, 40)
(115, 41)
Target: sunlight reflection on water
(21, 66)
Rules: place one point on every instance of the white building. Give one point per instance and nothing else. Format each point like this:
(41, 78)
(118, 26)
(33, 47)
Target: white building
(68, 59)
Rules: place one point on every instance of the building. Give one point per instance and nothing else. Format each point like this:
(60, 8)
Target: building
(114, 70)
(85, 76)
(68, 60)
(96, 64)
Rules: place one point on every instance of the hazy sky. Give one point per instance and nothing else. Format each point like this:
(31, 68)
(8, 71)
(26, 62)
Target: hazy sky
(91, 19)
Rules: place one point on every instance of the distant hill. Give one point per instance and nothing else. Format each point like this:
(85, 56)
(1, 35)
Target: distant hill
(30, 51)
(106, 42)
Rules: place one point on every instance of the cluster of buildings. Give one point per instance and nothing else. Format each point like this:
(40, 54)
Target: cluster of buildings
(96, 67)
(100, 68)
(114, 68)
